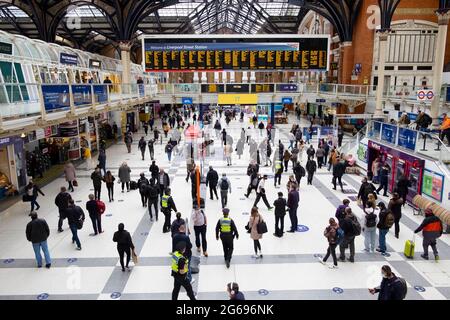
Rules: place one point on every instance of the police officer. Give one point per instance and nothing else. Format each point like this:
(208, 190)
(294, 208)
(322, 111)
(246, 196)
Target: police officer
(278, 168)
(167, 205)
(228, 231)
(180, 271)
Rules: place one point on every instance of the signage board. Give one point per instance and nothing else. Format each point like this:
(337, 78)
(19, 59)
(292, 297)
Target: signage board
(232, 99)
(66, 58)
(407, 138)
(363, 154)
(425, 95)
(287, 87)
(186, 100)
(286, 100)
(55, 97)
(6, 48)
(433, 184)
(95, 64)
(389, 133)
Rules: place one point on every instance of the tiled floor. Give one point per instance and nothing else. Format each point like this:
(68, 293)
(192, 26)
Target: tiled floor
(289, 269)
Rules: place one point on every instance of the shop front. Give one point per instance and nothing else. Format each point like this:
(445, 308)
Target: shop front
(401, 164)
(13, 175)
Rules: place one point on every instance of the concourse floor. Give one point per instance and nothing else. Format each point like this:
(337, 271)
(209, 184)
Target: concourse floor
(288, 270)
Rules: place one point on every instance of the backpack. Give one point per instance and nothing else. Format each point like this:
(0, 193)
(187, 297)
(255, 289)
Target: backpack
(389, 220)
(224, 185)
(339, 236)
(404, 287)
(356, 227)
(153, 192)
(169, 147)
(371, 220)
(302, 171)
(101, 206)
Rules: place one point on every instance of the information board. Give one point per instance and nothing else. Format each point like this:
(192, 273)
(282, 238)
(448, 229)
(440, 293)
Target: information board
(55, 97)
(433, 184)
(389, 133)
(407, 138)
(164, 53)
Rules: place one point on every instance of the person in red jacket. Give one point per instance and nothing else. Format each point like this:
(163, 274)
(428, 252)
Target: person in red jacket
(431, 228)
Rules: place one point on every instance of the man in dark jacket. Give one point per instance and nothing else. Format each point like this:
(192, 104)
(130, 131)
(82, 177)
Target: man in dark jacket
(75, 216)
(152, 196)
(167, 205)
(154, 170)
(128, 139)
(62, 202)
(142, 145)
(179, 237)
(340, 211)
(391, 287)
(37, 232)
(349, 235)
(227, 229)
(179, 272)
(97, 179)
(299, 172)
(212, 178)
(102, 160)
(94, 214)
(384, 178)
(254, 182)
(338, 172)
(311, 168)
(163, 181)
(292, 203)
(151, 148)
(280, 212)
(142, 185)
(364, 191)
(395, 206)
(310, 152)
(431, 228)
(403, 184)
(233, 291)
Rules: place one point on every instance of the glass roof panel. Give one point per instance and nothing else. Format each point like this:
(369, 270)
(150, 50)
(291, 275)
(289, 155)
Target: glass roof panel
(182, 9)
(13, 12)
(85, 11)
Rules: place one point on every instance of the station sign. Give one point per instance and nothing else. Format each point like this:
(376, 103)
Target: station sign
(287, 87)
(407, 138)
(186, 100)
(66, 58)
(232, 99)
(425, 95)
(95, 64)
(286, 100)
(6, 48)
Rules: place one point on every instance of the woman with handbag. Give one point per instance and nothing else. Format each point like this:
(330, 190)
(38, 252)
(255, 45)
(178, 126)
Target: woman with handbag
(124, 246)
(255, 231)
(71, 177)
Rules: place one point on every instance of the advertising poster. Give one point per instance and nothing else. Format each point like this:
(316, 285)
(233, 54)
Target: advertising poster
(363, 154)
(100, 93)
(433, 184)
(407, 138)
(81, 94)
(388, 133)
(55, 97)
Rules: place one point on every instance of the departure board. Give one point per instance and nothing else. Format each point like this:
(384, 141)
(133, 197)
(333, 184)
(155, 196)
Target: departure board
(233, 54)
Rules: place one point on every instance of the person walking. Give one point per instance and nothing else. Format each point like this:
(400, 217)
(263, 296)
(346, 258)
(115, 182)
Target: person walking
(280, 213)
(32, 190)
(395, 206)
(370, 227)
(176, 224)
(125, 246)
(225, 188)
(338, 172)
(228, 231)
(75, 216)
(240, 147)
(152, 196)
(128, 141)
(180, 272)
(154, 170)
(299, 172)
(97, 179)
(340, 211)
(262, 194)
(351, 228)
(102, 160)
(402, 187)
(109, 180)
(255, 178)
(331, 233)
(292, 203)
(311, 168)
(217, 128)
(320, 154)
(278, 170)
(37, 232)
(70, 173)
(142, 145)
(286, 158)
(228, 151)
(200, 222)
(255, 219)
(62, 202)
(212, 178)
(432, 229)
(384, 178)
(142, 185)
(385, 222)
(365, 190)
(310, 152)
(124, 176)
(167, 205)
(182, 236)
(391, 288)
(163, 181)
(94, 213)
(168, 150)
(151, 148)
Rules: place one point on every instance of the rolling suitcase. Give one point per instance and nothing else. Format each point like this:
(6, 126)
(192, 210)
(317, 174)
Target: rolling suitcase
(409, 248)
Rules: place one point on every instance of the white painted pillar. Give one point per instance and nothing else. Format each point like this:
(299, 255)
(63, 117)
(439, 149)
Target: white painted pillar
(204, 78)
(196, 77)
(438, 68)
(232, 77)
(126, 64)
(244, 77)
(382, 47)
(224, 77)
(216, 77)
(252, 76)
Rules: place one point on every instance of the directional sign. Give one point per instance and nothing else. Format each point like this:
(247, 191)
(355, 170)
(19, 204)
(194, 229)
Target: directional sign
(407, 138)
(425, 95)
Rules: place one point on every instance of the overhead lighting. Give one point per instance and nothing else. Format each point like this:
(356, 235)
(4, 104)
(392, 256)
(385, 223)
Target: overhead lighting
(23, 135)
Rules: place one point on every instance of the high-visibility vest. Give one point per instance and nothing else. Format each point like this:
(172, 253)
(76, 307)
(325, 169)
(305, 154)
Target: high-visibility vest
(165, 201)
(434, 226)
(225, 225)
(277, 165)
(176, 256)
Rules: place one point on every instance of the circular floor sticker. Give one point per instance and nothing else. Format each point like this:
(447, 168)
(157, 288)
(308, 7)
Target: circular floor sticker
(8, 261)
(302, 228)
(318, 256)
(338, 290)
(419, 288)
(43, 296)
(245, 213)
(263, 292)
(115, 295)
(108, 215)
(72, 260)
(144, 233)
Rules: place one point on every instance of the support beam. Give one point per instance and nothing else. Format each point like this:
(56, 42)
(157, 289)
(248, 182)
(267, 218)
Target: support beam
(382, 47)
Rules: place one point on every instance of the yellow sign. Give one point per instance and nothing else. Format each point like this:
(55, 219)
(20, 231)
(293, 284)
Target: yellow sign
(237, 99)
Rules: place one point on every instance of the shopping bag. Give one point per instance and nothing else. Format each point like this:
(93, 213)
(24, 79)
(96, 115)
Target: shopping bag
(75, 183)
(134, 257)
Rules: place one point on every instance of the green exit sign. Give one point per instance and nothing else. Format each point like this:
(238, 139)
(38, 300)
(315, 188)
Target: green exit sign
(5, 48)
